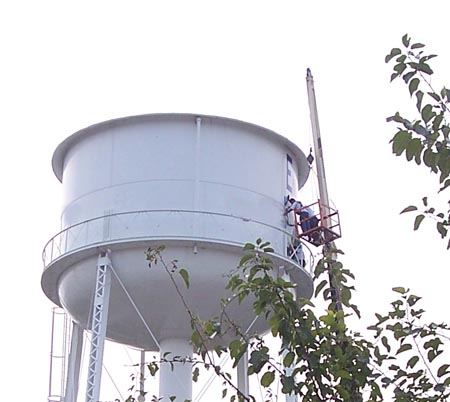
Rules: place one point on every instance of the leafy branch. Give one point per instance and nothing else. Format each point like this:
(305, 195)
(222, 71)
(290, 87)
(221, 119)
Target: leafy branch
(321, 358)
(425, 138)
(201, 330)
(403, 338)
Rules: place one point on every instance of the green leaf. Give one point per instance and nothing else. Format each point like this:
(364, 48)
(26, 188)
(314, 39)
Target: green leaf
(343, 374)
(426, 58)
(437, 121)
(258, 358)
(429, 158)
(408, 76)
(418, 221)
(305, 302)
(419, 96)
(288, 359)
(195, 374)
(424, 67)
(394, 52)
(414, 149)
(267, 378)
(328, 319)
(400, 142)
(409, 209)
(441, 229)
(320, 287)
(413, 361)
(405, 40)
(152, 368)
(425, 201)
(343, 393)
(404, 348)
(386, 343)
(399, 68)
(427, 113)
(432, 354)
(397, 118)
(413, 85)
(394, 76)
(417, 46)
(185, 275)
(245, 258)
(195, 338)
(354, 307)
(446, 184)
(400, 290)
(288, 385)
(237, 350)
(443, 370)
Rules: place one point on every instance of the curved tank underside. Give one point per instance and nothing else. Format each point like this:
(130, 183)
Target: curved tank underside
(144, 303)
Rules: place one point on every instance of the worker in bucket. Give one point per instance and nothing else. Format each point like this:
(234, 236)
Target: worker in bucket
(308, 219)
(292, 205)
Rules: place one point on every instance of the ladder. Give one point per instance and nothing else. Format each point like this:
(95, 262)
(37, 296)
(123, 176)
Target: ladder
(59, 350)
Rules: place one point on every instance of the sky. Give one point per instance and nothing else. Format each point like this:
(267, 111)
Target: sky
(66, 65)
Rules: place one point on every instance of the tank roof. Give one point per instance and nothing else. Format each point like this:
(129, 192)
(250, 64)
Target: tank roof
(69, 142)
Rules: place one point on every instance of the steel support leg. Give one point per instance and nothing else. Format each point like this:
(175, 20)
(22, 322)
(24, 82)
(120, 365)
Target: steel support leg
(242, 375)
(142, 377)
(73, 369)
(98, 327)
(288, 370)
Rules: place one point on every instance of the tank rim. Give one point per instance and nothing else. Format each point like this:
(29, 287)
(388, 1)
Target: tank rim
(62, 149)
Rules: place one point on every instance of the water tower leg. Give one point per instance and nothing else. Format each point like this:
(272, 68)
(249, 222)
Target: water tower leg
(142, 374)
(289, 370)
(98, 327)
(73, 369)
(175, 379)
(242, 375)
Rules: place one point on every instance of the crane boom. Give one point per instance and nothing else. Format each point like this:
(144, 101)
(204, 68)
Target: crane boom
(320, 166)
(324, 202)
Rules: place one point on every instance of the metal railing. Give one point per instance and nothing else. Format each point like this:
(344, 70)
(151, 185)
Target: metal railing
(173, 224)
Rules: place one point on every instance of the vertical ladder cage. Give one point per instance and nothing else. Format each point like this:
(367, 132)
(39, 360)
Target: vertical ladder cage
(59, 350)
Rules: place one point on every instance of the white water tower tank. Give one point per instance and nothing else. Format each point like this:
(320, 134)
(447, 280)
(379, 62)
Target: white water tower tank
(203, 186)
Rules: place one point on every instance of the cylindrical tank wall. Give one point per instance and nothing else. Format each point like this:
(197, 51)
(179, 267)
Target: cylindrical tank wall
(178, 162)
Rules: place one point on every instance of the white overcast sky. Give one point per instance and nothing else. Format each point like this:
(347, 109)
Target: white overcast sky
(66, 64)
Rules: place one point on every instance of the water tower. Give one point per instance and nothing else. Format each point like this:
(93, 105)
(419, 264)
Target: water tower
(203, 186)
